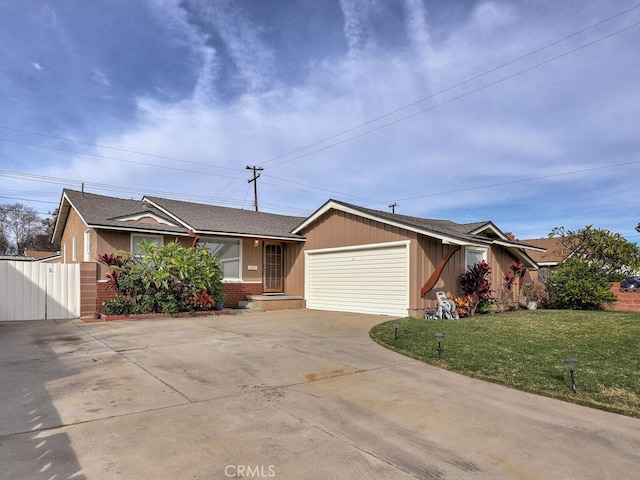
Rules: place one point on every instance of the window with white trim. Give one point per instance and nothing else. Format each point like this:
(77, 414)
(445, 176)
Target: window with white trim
(474, 255)
(87, 247)
(228, 251)
(137, 239)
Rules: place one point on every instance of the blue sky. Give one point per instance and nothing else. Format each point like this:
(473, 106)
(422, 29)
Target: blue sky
(524, 113)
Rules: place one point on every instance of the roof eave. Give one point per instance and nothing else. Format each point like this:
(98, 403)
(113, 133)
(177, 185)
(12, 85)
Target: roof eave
(64, 215)
(248, 235)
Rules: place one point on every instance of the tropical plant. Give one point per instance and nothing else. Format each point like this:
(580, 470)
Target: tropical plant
(112, 260)
(476, 283)
(515, 273)
(166, 279)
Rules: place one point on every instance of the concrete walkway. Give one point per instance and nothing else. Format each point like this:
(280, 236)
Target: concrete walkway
(288, 395)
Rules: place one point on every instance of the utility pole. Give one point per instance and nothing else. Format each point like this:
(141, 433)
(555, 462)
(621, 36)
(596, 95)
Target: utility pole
(255, 183)
(393, 207)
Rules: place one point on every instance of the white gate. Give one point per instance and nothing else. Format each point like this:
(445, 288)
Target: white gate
(37, 291)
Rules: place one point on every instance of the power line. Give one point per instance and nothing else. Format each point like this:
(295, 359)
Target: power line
(113, 158)
(386, 115)
(464, 82)
(138, 191)
(348, 130)
(457, 97)
(529, 179)
(146, 154)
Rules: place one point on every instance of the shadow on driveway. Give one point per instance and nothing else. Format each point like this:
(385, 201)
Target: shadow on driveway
(32, 444)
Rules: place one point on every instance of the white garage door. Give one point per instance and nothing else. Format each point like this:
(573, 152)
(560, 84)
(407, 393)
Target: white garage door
(364, 279)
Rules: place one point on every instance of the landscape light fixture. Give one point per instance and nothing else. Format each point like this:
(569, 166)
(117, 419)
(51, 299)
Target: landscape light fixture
(440, 340)
(396, 324)
(571, 364)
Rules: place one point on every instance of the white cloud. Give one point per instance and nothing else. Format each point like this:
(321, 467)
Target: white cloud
(576, 113)
(36, 65)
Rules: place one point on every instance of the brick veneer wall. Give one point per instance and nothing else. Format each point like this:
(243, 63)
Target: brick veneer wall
(628, 300)
(236, 292)
(105, 292)
(88, 289)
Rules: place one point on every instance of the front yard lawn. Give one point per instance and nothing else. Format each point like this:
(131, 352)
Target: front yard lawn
(524, 350)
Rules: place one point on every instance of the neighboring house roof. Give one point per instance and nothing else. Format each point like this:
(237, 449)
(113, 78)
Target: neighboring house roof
(214, 220)
(481, 234)
(163, 216)
(40, 255)
(555, 252)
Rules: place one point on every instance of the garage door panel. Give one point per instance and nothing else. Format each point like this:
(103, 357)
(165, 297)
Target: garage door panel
(370, 279)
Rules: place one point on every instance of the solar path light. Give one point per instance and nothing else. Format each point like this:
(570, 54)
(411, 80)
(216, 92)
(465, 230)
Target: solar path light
(440, 339)
(571, 364)
(396, 324)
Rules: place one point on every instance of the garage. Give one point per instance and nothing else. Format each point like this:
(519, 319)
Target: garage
(363, 279)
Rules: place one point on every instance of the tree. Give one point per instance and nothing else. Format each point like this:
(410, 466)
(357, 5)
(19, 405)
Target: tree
(21, 223)
(21, 228)
(613, 255)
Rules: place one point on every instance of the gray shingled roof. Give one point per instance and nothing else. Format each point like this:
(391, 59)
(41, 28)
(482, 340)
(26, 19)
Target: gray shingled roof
(103, 211)
(109, 212)
(212, 219)
(443, 227)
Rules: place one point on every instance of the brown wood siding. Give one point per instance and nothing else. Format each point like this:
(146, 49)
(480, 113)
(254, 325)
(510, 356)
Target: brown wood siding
(499, 261)
(251, 256)
(340, 229)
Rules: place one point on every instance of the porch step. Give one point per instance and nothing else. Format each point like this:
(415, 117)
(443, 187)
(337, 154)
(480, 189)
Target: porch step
(264, 303)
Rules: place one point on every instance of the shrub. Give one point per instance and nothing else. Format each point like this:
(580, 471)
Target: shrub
(576, 285)
(167, 279)
(118, 305)
(476, 283)
(464, 305)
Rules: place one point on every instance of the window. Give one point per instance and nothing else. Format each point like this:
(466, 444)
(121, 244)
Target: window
(74, 249)
(228, 252)
(474, 255)
(87, 249)
(137, 239)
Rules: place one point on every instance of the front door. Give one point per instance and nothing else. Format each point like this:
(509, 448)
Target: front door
(272, 281)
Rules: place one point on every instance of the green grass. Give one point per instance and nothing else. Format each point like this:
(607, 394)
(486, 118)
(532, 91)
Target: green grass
(524, 350)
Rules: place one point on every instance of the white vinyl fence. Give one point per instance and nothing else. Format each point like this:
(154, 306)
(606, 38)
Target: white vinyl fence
(39, 291)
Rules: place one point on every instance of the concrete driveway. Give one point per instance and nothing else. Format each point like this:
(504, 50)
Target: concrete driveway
(294, 394)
